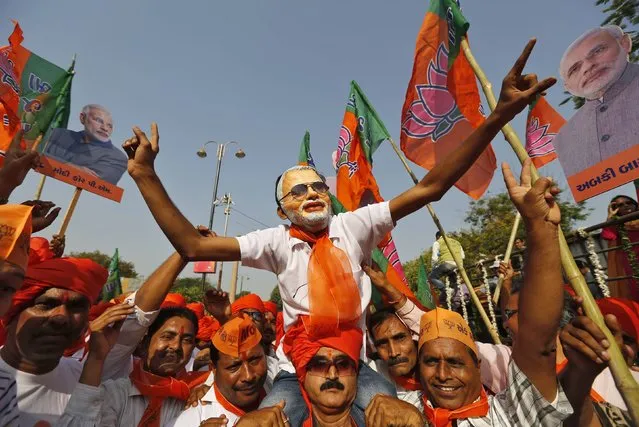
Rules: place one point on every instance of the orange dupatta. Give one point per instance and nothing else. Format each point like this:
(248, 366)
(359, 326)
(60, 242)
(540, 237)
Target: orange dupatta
(440, 417)
(408, 382)
(156, 389)
(333, 295)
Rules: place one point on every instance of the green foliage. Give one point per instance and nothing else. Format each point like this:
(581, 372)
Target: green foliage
(624, 14)
(276, 298)
(190, 288)
(411, 269)
(127, 269)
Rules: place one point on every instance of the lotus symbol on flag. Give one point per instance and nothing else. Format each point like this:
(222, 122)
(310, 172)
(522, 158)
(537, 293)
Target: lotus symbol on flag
(538, 140)
(435, 112)
(343, 150)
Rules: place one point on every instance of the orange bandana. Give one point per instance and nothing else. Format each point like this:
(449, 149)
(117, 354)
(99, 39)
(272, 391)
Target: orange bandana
(236, 336)
(408, 382)
(250, 301)
(333, 295)
(173, 300)
(440, 417)
(197, 308)
(15, 230)
(156, 389)
(441, 323)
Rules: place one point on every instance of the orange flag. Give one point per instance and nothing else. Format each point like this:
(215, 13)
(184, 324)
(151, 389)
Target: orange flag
(542, 126)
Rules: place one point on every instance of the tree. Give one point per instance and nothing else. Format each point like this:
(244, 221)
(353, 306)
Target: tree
(276, 298)
(624, 14)
(127, 269)
(190, 288)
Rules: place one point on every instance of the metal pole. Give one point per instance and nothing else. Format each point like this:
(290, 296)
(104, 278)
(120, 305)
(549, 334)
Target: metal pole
(227, 200)
(232, 292)
(241, 284)
(220, 154)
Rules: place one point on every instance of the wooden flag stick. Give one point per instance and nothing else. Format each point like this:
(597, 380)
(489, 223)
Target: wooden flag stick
(43, 178)
(509, 249)
(69, 213)
(460, 264)
(628, 387)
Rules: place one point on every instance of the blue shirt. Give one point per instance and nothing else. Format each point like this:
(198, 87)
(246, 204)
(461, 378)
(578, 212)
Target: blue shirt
(103, 158)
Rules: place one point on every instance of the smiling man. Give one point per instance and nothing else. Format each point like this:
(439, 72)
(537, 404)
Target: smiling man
(240, 372)
(91, 149)
(596, 67)
(318, 257)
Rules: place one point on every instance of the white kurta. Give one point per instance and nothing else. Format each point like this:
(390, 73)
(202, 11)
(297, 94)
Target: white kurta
(212, 409)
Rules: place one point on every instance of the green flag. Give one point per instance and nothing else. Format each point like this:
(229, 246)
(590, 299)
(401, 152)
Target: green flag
(305, 158)
(423, 287)
(112, 288)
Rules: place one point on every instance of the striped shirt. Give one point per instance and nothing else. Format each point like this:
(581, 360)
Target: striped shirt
(8, 401)
(521, 404)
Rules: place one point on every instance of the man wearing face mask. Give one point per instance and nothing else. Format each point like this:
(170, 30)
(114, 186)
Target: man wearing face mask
(154, 394)
(91, 149)
(596, 67)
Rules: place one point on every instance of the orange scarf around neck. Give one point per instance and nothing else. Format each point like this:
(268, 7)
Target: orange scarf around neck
(440, 417)
(408, 382)
(333, 294)
(156, 389)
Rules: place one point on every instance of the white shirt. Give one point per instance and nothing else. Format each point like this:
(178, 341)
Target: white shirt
(192, 417)
(44, 397)
(114, 403)
(357, 233)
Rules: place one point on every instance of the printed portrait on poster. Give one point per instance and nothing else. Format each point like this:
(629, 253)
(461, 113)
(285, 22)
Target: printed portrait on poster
(596, 144)
(91, 149)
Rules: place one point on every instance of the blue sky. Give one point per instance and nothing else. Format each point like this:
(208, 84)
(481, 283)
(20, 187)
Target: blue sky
(261, 73)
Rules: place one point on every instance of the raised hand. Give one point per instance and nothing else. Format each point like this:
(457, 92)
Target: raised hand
(142, 152)
(196, 395)
(506, 270)
(103, 336)
(380, 281)
(17, 163)
(218, 304)
(389, 411)
(534, 202)
(519, 90)
(215, 422)
(42, 214)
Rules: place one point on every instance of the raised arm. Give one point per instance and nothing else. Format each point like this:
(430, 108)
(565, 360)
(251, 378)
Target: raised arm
(517, 92)
(151, 294)
(181, 233)
(541, 296)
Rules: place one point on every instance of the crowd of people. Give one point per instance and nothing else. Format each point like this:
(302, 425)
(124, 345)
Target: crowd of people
(326, 358)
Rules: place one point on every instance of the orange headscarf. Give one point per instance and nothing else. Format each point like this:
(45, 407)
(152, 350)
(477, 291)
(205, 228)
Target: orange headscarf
(271, 307)
(301, 349)
(626, 311)
(250, 301)
(39, 250)
(207, 326)
(173, 300)
(15, 230)
(75, 274)
(236, 336)
(197, 308)
(333, 295)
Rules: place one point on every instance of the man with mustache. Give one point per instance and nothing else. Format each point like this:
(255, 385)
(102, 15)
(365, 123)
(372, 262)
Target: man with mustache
(154, 393)
(596, 67)
(239, 373)
(317, 259)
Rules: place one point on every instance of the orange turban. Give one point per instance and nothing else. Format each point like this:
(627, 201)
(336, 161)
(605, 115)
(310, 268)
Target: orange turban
(441, 323)
(626, 311)
(15, 230)
(271, 307)
(39, 250)
(197, 308)
(250, 301)
(237, 336)
(301, 349)
(173, 300)
(207, 326)
(75, 274)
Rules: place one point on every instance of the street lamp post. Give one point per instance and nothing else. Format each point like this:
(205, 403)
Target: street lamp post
(221, 149)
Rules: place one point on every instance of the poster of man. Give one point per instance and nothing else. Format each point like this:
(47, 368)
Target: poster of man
(589, 146)
(89, 150)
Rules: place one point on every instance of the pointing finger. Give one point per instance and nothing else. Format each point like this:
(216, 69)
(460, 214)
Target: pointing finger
(523, 58)
(525, 178)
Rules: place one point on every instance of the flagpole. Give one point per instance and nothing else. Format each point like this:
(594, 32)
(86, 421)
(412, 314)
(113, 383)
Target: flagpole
(460, 265)
(628, 387)
(43, 178)
(69, 213)
(509, 249)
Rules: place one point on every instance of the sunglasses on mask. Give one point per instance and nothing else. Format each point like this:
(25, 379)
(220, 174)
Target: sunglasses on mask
(320, 367)
(298, 191)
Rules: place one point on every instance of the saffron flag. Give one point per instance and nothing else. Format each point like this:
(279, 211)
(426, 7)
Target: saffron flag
(423, 287)
(34, 92)
(113, 287)
(305, 158)
(542, 125)
(442, 106)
